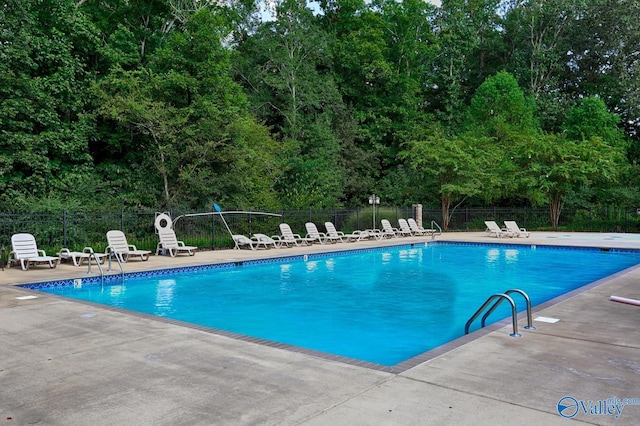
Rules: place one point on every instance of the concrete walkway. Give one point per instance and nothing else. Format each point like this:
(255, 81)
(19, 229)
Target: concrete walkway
(69, 363)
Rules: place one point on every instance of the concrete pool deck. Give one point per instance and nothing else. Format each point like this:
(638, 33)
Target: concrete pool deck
(71, 363)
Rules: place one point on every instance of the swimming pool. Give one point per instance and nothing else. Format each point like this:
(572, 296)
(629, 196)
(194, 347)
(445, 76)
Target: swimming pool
(382, 305)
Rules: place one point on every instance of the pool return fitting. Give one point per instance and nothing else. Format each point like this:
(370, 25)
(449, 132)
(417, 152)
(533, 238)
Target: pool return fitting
(499, 298)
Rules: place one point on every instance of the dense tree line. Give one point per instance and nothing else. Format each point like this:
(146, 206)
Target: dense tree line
(180, 103)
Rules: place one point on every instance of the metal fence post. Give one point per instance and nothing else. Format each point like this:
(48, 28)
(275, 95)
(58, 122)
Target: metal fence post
(64, 228)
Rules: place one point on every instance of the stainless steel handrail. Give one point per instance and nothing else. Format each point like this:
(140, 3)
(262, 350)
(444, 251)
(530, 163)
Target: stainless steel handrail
(114, 253)
(433, 234)
(529, 325)
(501, 297)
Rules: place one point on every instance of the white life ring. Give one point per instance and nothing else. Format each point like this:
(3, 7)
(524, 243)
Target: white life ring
(163, 221)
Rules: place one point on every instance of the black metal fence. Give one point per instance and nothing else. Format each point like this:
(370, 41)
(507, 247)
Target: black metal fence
(207, 230)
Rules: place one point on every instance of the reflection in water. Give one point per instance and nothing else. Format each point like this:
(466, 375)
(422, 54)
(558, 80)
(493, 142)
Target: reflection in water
(493, 255)
(165, 292)
(330, 264)
(511, 255)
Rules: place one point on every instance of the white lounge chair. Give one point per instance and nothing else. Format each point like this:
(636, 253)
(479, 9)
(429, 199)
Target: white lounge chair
(264, 241)
(388, 230)
(243, 241)
(403, 228)
(118, 246)
(25, 250)
(77, 257)
(288, 238)
(494, 229)
(515, 230)
(169, 244)
(336, 235)
(418, 230)
(314, 235)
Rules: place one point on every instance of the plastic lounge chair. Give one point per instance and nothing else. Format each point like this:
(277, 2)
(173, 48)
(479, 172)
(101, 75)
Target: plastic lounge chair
(369, 234)
(264, 241)
(388, 230)
(404, 229)
(418, 230)
(494, 229)
(25, 250)
(515, 230)
(77, 257)
(118, 246)
(314, 235)
(243, 241)
(169, 243)
(168, 240)
(288, 238)
(336, 235)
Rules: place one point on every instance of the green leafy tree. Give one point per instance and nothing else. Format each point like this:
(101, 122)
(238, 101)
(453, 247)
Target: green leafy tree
(43, 98)
(469, 48)
(285, 68)
(454, 167)
(189, 121)
(590, 152)
(500, 111)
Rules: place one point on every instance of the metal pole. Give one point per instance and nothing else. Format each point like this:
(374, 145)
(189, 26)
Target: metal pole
(219, 210)
(64, 228)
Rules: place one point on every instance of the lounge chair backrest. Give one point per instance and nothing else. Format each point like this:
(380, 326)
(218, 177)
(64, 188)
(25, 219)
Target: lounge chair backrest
(312, 229)
(24, 246)
(331, 229)
(386, 225)
(286, 232)
(413, 225)
(492, 226)
(404, 225)
(117, 241)
(168, 238)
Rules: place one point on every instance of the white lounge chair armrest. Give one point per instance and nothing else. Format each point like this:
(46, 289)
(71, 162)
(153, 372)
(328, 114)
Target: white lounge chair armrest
(41, 252)
(87, 250)
(132, 247)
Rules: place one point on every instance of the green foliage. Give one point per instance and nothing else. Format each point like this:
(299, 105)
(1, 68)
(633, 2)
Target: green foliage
(500, 110)
(160, 104)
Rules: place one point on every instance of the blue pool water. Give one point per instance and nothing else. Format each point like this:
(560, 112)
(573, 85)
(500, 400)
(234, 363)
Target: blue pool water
(384, 306)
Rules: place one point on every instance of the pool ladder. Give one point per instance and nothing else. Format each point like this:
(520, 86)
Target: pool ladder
(499, 298)
(112, 254)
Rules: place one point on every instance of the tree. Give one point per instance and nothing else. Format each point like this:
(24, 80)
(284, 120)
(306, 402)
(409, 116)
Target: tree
(555, 165)
(285, 67)
(188, 120)
(43, 99)
(469, 48)
(455, 167)
(500, 111)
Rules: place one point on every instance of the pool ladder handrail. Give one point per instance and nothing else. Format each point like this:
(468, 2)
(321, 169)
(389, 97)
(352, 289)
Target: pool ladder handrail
(514, 313)
(112, 254)
(435, 225)
(95, 257)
